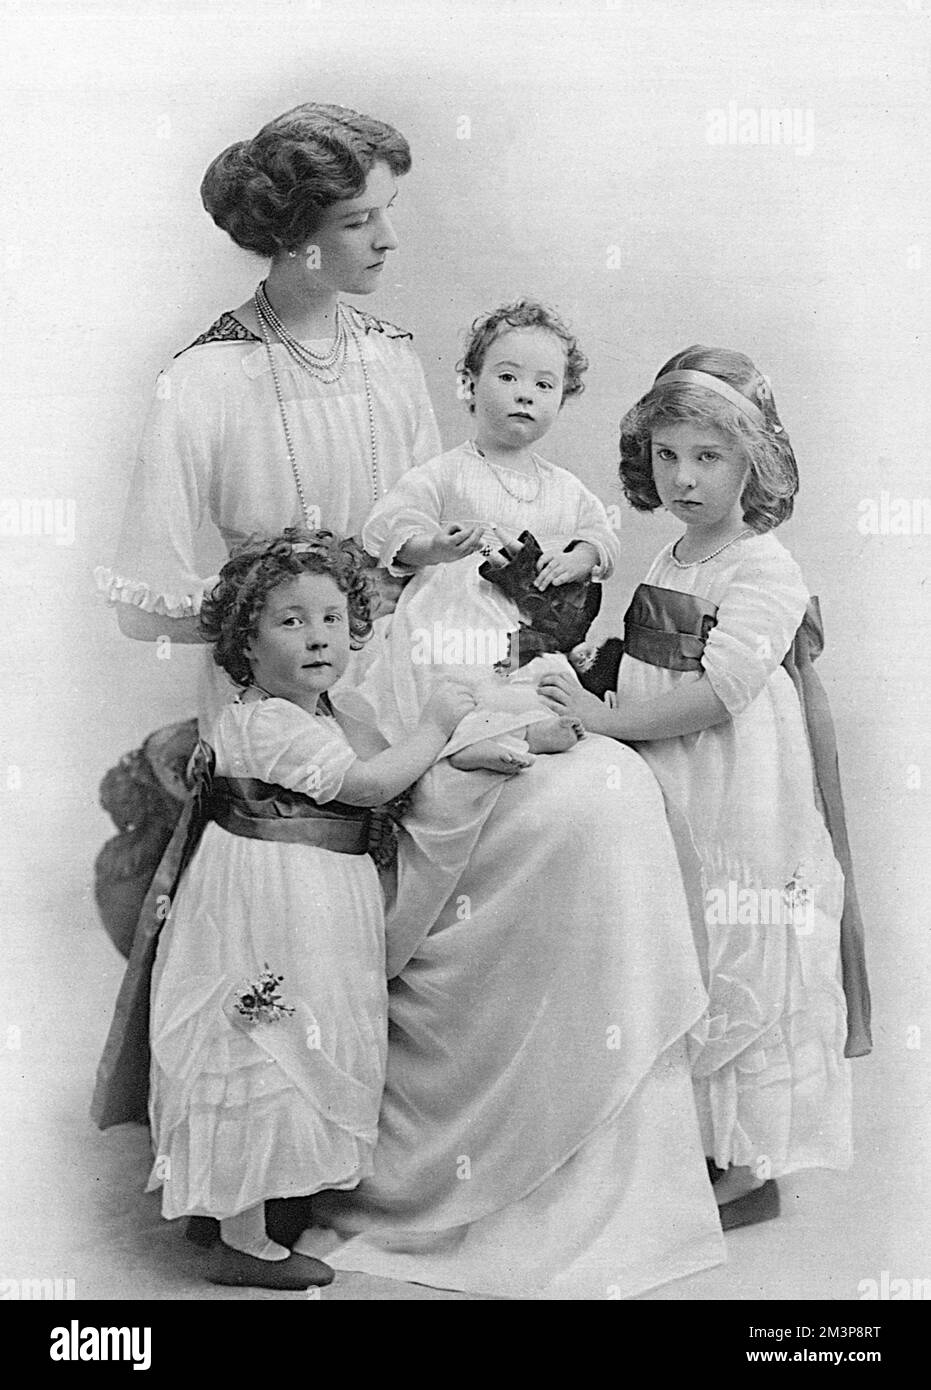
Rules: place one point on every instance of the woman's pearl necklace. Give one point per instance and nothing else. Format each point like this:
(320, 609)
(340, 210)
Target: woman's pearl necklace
(325, 366)
(342, 319)
(690, 564)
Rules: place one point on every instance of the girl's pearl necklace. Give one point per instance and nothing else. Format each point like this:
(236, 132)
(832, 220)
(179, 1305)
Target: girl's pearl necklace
(292, 458)
(690, 564)
(532, 497)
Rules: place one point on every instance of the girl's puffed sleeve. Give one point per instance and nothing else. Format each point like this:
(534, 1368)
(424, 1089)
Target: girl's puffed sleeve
(155, 567)
(592, 525)
(756, 623)
(276, 741)
(413, 507)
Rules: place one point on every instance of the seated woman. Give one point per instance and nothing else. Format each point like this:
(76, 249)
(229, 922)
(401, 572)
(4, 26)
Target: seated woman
(538, 1134)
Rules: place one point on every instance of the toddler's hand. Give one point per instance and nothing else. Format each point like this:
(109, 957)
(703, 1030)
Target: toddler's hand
(456, 542)
(449, 703)
(565, 566)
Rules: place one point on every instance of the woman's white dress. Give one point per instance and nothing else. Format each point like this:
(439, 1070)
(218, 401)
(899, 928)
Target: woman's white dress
(450, 622)
(213, 451)
(767, 892)
(243, 1113)
(538, 1135)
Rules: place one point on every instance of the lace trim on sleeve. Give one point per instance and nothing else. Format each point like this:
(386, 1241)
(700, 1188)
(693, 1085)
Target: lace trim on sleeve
(389, 557)
(116, 588)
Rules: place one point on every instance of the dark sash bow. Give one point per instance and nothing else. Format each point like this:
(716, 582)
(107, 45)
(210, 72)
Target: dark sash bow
(666, 628)
(241, 806)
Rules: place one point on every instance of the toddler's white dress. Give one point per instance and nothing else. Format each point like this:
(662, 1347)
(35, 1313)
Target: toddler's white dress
(772, 1084)
(449, 622)
(243, 1113)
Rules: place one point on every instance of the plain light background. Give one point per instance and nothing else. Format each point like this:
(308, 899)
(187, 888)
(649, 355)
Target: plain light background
(560, 150)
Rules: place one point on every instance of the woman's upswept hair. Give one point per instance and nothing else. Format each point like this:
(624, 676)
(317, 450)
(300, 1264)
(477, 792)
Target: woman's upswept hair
(229, 616)
(270, 192)
(772, 480)
(523, 313)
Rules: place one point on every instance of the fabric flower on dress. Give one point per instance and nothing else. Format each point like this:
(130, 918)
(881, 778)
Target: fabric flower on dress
(259, 1001)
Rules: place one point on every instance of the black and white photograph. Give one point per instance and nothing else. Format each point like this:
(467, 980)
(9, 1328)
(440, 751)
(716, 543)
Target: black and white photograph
(465, 530)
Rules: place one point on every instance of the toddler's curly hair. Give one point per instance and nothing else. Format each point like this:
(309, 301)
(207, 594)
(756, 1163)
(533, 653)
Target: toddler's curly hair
(229, 615)
(523, 313)
(772, 480)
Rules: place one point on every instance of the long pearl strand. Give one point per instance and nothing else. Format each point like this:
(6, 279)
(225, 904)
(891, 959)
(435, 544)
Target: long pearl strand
(370, 407)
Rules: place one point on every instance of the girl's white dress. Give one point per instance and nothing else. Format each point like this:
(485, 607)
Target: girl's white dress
(766, 891)
(449, 621)
(243, 1113)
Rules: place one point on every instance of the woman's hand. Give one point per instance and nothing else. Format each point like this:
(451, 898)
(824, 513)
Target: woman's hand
(565, 566)
(562, 693)
(449, 703)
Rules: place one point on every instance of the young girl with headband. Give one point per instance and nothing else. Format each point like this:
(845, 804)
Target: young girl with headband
(704, 696)
(268, 1000)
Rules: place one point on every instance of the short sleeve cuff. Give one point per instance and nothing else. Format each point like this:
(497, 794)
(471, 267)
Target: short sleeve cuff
(117, 588)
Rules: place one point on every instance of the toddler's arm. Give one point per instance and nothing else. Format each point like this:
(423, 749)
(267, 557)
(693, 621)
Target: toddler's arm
(452, 542)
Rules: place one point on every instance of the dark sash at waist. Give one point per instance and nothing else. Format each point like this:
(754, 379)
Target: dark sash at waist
(666, 628)
(264, 811)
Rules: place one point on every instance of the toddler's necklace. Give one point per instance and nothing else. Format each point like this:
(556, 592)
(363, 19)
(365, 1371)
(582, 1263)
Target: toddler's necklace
(690, 564)
(510, 492)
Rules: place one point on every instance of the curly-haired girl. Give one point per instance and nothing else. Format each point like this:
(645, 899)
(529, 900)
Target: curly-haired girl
(704, 697)
(268, 1013)
(521, 363)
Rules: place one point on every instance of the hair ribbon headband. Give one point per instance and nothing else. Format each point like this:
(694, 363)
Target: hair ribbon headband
(721, 388)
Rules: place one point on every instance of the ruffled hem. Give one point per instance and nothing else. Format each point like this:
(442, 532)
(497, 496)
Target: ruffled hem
(247, 1136)
(784, 1103)
(217, 1170)
(116, 588)
(391, 548)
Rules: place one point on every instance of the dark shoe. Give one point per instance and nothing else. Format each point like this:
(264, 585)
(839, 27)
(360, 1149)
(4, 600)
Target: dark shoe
(287, 1217)
(202, 1230)
(714, 1172)
(229, 1266)
(762, 1204)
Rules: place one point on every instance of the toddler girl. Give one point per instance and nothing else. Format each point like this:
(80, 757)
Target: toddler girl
(442, 520)
(268, 1013)
(704, 697)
